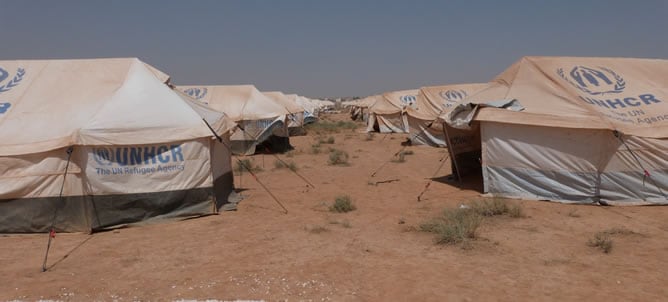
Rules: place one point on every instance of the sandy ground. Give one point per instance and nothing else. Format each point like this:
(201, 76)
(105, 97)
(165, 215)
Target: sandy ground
(371, 254)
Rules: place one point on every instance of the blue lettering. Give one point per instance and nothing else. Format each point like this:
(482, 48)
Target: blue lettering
(122, 159)
(628, 102)
(177, 153)
(161, 150)
(647, 98)
(600, 103)
(135, 156)
(615, 103)
(149, 154)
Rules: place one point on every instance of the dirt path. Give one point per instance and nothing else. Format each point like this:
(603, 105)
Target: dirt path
(371, 254)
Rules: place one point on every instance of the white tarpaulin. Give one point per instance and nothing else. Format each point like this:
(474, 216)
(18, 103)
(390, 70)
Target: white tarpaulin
(259, 116)
(134, 150)
(591, 130)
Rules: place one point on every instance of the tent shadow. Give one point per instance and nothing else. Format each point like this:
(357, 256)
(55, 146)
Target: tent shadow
(469, 182)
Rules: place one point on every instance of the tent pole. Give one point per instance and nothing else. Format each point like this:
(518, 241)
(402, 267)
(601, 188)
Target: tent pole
(52, 230)
(452, 152)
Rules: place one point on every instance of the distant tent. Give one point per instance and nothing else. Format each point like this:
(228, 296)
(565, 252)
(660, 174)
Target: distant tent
(109, 134)
(430, 103)
(386, 113)
(296, 112)
(570, 129)
(311, 107)
(260, 118)
(359, 109)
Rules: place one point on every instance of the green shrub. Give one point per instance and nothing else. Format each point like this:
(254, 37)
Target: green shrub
(342, 204)
(454, 226)
(338, 157)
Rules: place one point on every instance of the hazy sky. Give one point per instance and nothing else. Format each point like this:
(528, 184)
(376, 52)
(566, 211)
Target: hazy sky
(333, 47)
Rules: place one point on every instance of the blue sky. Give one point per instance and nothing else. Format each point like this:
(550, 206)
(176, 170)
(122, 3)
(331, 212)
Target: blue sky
(332, 48)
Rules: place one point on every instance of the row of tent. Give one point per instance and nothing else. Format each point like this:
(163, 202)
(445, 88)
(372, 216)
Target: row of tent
(567, 129)
(97, 143)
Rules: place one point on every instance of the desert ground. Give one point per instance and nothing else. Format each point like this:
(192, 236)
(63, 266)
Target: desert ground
(374, 253)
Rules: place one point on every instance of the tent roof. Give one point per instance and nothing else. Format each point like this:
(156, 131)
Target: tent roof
(239, 102)
(625, 94)
(433, 100)
(289, 103)
(393, 102)
(57, 103)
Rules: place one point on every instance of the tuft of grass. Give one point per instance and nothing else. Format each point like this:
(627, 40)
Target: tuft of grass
(400, 158)
(330, 140)
(317, 229)
(454, 226)
(290, 153)
(244, 165)
(338, 157)
(290, 165)
(342, 204)
(496, 207)
(369, 136)
(322, 127)
(573, 213)
(315, 148)
(602, 241)
(515, 211)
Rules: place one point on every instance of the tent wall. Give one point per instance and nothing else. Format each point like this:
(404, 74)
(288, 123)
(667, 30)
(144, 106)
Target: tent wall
(424, 132)
(572, 165)
(107, 186)
(388, 123)
(244, 142)
(221, 166)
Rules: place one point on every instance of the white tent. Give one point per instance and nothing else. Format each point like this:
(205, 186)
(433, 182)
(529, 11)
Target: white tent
(570, 129)
(260, 117)
(431, 102)
(386, 113)
(109, 134)
(296, 111)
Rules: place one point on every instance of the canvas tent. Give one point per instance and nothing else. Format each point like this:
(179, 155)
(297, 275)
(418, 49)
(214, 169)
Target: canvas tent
(260, 118)
(360, 108)
(386, 113)
(311, 107)
(109, 134)
(571, 129)
(296, 112)
(430, 103)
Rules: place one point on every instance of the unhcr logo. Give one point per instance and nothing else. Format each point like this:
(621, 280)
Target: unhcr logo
(6, 86)
(196, 93)
(594, 81)
(408, 99)
(130, 156)
(453, 95)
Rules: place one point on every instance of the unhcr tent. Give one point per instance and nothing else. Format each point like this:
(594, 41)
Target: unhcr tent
(430, 103)
(92, 144)
(311, 107)
(260, 118)
(570, 129)
(296, 112)
(386, 113)
(360, 108)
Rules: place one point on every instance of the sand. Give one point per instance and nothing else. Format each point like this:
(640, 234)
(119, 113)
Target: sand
(370, 254)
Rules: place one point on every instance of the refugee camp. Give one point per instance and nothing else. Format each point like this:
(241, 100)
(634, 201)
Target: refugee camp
(333, 151)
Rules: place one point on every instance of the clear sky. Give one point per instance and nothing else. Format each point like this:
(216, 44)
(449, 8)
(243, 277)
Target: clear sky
(332, 47)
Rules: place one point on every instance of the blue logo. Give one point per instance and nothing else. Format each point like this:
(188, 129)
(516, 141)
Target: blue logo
(4, 107)
(408, 99)
(196, 93)
(453, 96)
(594, 81)
(4, 87)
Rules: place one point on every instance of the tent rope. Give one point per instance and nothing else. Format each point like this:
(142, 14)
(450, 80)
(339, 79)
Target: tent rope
(242, 164)
(52, 229)
(646, 174)
(426, 187)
